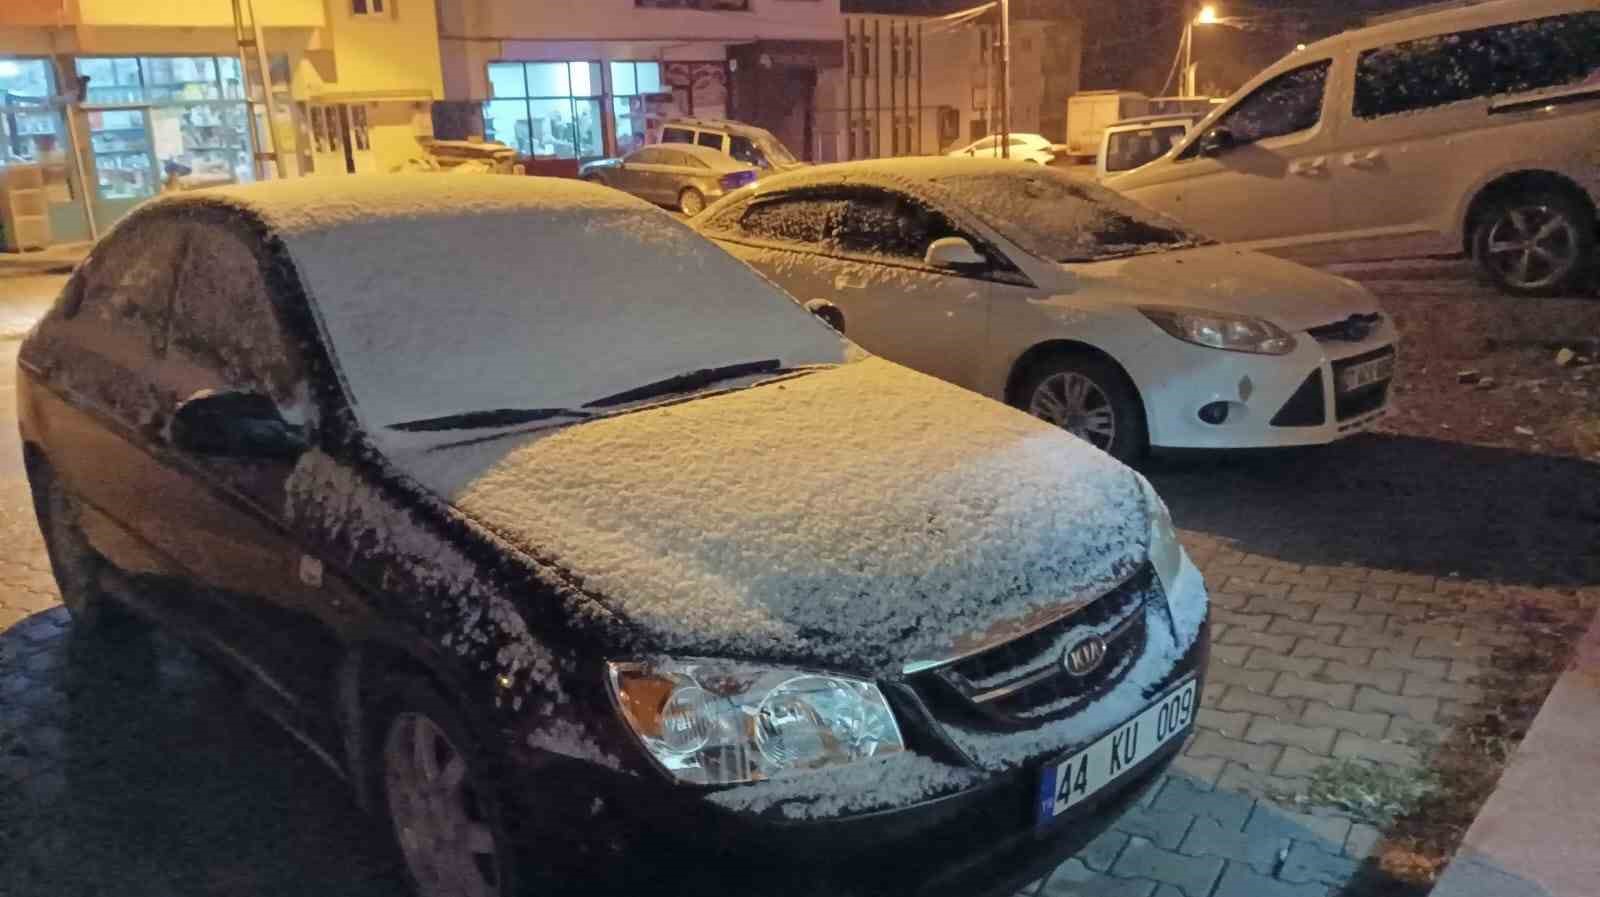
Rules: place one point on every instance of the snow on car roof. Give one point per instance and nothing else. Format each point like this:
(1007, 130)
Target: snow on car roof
(447, 294)
(714, 158)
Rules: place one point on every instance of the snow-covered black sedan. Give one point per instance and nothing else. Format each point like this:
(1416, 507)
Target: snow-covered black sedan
(590, 558)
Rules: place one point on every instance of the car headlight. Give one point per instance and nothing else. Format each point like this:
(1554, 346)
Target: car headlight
(1221, 330)
(711, 722)
(1166, 552)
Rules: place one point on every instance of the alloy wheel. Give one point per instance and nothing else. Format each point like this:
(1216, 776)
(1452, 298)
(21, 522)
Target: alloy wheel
(1078, 405)
(438, 819)
(1532, 247)
(691, 202)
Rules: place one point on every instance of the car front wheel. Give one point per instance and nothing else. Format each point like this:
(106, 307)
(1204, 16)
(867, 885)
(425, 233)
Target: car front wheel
(1090, 398)
(690, 202)
(75, 563)
(1534, 244)
(444, 814)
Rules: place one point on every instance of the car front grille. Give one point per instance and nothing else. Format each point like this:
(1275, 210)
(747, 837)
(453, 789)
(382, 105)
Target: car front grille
(1353, 329)
(1024, 682)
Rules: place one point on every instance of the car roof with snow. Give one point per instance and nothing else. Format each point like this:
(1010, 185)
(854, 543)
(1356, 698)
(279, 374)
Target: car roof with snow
(1430, 20)
(711, 157)
(440, 294)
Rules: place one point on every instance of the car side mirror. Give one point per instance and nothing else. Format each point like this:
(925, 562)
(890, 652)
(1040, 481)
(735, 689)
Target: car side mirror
(827, 312)
(1217, 141)
(953, 253)
(235, 424)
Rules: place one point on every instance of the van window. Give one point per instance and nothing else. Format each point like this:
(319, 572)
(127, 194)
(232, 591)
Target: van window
(710, 140)
(1127, 150)
(1287, 104)
(677, 135)
(1450, 68)
(744, 149)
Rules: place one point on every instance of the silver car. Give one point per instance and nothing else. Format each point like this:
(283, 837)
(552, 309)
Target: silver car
(682, 176)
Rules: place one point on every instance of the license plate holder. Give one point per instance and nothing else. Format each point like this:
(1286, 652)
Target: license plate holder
(1066, 783)
(1357, 376)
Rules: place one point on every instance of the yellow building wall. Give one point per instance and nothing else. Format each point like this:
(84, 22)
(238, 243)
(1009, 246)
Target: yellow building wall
(195, 13)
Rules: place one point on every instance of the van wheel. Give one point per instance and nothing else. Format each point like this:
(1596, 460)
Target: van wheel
(75, 563)
(1534, 244)
(690, 202)
(1090, 398)
(438, 794)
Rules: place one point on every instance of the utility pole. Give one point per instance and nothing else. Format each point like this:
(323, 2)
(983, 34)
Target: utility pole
(1005, 79)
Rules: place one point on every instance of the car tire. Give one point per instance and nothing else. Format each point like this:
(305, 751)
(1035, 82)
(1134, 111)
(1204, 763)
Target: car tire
(75, 563)
(691, 202)
(433, 778)
(1091, 398)
(1537, 243)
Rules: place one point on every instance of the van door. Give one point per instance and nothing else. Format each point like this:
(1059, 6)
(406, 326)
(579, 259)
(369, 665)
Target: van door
(1429, 120)
(1271, 186)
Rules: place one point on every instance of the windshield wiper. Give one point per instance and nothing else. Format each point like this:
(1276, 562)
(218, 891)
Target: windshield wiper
(479, 420)
(687, 382)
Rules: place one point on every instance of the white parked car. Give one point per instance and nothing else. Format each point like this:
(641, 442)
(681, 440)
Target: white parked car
(1064, 299)
(1023, 147)
(1470, 129)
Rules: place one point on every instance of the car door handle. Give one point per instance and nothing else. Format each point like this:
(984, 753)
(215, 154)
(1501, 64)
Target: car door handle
(1368, 159)
(1312, 166)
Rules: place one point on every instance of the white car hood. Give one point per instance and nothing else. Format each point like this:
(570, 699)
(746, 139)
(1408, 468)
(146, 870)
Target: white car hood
(864, 516)
(1222, 278)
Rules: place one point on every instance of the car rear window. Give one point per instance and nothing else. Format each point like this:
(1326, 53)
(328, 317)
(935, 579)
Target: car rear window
(1059, 218)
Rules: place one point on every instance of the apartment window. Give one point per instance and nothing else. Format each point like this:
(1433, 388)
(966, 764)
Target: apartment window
(546, 109)
(373, 9)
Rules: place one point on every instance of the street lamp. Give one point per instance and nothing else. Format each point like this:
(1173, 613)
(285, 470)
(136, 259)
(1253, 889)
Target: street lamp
(1207, 16)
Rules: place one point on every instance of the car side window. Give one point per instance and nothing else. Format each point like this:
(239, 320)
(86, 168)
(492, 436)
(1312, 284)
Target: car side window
(888, 225)
(127, 283)
(689, 161)
(710, 140)
(1504, 59)
(225, 322)
(1288, 104)
(677, 135)
(648, 156)
(745, 150)
(806, 220)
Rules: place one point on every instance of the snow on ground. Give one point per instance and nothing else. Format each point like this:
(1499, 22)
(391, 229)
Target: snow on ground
(864, 515)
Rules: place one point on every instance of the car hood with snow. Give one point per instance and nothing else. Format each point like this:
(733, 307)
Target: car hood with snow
(1221, 278)
(864, 515)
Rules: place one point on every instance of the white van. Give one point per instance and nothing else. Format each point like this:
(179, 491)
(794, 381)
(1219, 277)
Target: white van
(1474, 128)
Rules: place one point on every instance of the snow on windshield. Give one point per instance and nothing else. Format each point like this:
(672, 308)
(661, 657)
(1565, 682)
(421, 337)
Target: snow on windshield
(1061, 219)
(444, 295)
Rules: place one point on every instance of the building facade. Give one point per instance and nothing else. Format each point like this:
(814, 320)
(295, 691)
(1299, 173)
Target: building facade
(569, 80)
(117, 101)
(924, 85)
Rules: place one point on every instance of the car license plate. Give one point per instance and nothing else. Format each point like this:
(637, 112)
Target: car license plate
(1366, 373)
(1069, 782)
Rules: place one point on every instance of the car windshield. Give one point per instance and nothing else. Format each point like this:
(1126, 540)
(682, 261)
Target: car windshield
(1062, 219)
(514, 306)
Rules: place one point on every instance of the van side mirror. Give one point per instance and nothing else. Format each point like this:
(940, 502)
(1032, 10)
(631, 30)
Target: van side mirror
(953, 254)
(235, 424)
(1217, 141)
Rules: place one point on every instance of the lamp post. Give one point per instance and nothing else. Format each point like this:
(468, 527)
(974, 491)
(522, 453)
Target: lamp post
(1206, 16)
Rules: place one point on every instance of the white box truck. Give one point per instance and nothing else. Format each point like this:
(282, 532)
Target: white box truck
(1090, 111)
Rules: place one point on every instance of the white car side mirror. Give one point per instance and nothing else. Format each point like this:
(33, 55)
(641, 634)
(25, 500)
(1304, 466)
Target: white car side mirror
(953, 253)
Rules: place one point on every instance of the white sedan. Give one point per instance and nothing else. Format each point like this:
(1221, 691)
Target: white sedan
(1022, 147)
(1066, 300)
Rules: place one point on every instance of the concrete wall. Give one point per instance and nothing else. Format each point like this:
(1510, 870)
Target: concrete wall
(195, 13)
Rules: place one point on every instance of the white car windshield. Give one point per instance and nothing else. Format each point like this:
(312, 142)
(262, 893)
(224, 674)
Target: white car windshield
(501, 304)
(1061, 219)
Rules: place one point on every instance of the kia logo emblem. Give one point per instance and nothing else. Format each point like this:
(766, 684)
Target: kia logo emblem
(1082, 658)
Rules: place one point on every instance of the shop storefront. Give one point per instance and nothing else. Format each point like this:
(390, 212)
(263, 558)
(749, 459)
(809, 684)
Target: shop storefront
(576, 109)
(154, 120)
(33, 131)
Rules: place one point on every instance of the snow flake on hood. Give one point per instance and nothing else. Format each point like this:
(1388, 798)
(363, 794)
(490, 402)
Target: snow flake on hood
(862, 516)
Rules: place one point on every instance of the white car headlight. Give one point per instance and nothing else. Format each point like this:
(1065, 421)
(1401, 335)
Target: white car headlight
(1166, 552)
(1222, 330)
(712, 722)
